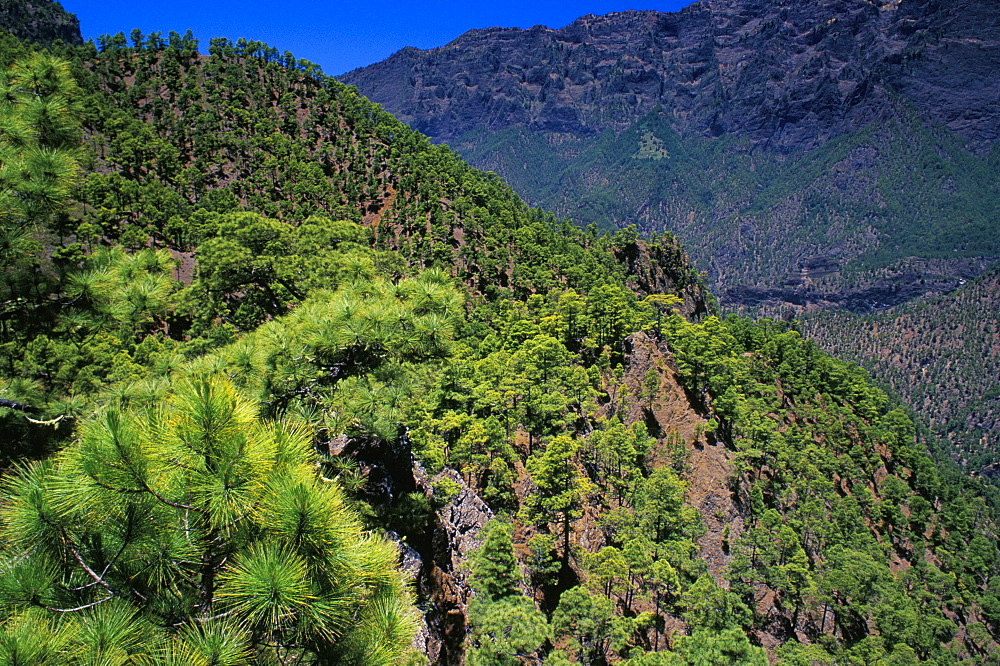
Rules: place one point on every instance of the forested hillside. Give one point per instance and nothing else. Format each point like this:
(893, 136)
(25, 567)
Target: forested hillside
(254, 329)
(941, 356)
(42, 21)
(836, 155)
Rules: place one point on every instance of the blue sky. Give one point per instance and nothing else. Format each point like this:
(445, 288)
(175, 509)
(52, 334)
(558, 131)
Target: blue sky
(337, 35)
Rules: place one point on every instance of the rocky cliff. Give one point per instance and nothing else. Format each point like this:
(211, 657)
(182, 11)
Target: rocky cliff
(786, 75)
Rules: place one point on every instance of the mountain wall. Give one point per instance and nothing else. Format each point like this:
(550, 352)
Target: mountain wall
(788, 76)
(769, 136)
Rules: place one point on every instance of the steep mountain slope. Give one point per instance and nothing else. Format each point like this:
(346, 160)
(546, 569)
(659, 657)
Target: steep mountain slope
(323, 151)
(832, 155)
(578, 461)
(942, 356)
(177, 139)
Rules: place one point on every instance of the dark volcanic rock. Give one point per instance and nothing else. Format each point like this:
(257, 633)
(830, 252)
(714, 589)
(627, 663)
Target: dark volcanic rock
(39, 21)
(897, 286)
(786, 75)
(445, 583)
(663, 268)
(432, 554)
(950, 65)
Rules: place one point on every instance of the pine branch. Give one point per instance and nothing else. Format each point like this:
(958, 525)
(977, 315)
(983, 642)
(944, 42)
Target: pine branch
(50, 422)
(90, 572)
(10, 404)
(80, 608)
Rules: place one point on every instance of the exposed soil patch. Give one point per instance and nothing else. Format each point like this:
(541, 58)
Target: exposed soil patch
(677, 424)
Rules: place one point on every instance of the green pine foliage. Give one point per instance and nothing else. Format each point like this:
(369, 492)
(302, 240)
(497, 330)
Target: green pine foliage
(39, 131)
(192, 529)
(506, 626)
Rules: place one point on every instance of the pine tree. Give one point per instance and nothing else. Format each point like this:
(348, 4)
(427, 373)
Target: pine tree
(505, 625)
(191, 524)
(562, 488)
(39, 130)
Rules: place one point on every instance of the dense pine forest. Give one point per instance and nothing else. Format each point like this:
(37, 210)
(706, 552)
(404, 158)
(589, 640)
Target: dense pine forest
(932, 369)
(283, 382)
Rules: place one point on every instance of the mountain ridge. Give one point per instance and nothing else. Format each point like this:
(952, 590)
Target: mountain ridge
(795, 57)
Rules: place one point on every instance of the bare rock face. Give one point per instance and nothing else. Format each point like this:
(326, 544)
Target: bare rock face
(670, 414)
(664, 268)
(412, 564)
(459, 523)
(443, 581)
(785, 75)
(434, 555)
(42, 21)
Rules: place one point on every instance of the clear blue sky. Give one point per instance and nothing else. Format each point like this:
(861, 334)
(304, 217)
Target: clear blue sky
(337, 35)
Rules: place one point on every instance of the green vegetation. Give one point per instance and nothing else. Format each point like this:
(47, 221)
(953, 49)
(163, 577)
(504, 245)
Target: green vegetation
(262, 293)
(39, 134)
(505, 623)
(43, 21)
(188, 530)
(870, 203)
(923, 352)
(878, 195)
